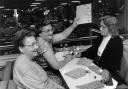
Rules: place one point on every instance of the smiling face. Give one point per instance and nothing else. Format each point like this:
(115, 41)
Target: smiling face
(104, 29)
(30, 46)
(46, 32)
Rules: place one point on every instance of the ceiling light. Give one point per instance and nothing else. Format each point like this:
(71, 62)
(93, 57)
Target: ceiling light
(36, 3)
(75, 1)
(1, 6)
(99, 1)
(7, 9)
(33, 5)
(64, 3)
(40, 0)
(34, 8)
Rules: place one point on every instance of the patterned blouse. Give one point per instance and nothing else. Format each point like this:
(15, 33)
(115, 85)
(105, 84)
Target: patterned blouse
(53, 74)
(43, 47)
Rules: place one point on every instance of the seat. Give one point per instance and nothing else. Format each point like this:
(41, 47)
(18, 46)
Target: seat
(124, 63)
(6, 76)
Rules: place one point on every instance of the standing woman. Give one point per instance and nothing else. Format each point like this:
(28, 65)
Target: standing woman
(27, 74)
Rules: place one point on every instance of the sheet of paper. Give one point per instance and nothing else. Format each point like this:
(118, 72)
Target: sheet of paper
(93, 85)
(77, 73)
(84, 13)
(84, 62)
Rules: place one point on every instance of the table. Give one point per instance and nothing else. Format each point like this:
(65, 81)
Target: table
(89, 77)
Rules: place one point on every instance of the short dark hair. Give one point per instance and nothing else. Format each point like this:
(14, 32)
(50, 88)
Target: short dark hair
(19, 37)
(112, 23)
(42, 24)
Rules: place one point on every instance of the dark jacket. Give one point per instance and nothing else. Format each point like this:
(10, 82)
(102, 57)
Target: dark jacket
(111, 56)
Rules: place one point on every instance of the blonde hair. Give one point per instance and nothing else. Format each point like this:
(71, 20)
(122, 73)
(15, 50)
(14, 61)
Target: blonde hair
(112, 23)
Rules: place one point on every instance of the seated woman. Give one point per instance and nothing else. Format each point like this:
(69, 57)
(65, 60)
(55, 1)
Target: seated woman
(107, 49)
(47, 38)
(47, 57)
(27, 74)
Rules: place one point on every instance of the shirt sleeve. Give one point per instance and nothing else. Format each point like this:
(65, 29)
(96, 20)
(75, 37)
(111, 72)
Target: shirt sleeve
(43, 46)
(58, 37)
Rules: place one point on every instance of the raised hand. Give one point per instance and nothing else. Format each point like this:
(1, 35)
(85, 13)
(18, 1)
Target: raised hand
(75, 22)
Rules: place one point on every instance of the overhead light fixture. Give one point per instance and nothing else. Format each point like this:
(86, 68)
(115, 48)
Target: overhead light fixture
(1, 6)
(34, 8)
(75, 1)
(99, 1)
(36, 3)
(7, 9)
(33, 5)
(57, 7)
(64, 3)
(40, 0)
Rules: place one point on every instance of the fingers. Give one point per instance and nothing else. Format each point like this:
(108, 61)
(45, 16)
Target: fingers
(105, 75)
(76, 20)
(68, 57)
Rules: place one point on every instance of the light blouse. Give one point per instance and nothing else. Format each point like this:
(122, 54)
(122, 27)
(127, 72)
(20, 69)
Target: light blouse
(29, 75)
(103, 45)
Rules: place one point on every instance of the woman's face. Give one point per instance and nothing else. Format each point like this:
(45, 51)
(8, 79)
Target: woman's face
(104, 29)
(46, 32)
(30, 46)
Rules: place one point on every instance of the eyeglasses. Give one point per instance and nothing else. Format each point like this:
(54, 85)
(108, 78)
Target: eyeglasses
(32, 45)
(102, 26)
(49, 30)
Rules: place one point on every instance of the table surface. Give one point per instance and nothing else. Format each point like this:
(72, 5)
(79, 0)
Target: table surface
(89, 77)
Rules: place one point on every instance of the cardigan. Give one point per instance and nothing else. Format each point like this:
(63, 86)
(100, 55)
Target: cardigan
(111, 56)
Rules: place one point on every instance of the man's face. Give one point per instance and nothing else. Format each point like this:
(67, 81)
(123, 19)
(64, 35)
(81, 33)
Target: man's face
(104, 29)
(46, 32)
(30, 46)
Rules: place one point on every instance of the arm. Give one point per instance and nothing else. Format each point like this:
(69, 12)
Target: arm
(49, 55)
(63, 35)
(52, 60)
